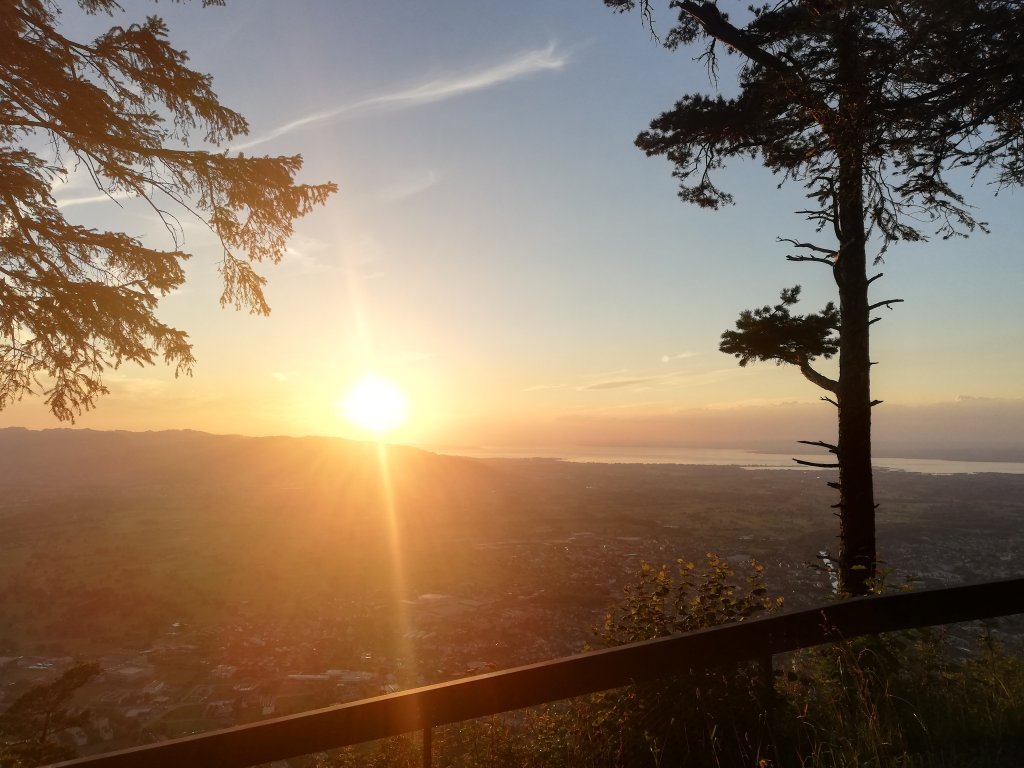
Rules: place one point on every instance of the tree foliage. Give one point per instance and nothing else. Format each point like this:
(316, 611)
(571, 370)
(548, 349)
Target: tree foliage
(877, 108)
(125, 109)
(28, 727)
(773, 333)
(916, 88)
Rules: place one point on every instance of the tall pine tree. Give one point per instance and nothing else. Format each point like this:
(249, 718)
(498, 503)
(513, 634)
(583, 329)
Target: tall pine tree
(876, 107)
(125, 109)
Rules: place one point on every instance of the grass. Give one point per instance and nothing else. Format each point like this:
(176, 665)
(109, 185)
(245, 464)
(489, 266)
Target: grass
(904, 699)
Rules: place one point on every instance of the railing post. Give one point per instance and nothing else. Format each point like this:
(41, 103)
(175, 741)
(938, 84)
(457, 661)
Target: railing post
(428, 746)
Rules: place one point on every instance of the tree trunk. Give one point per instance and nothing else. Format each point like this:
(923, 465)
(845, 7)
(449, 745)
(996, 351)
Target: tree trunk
(856, 487)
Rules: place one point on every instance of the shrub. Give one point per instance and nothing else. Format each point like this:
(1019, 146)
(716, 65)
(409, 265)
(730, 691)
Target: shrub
(707, 716)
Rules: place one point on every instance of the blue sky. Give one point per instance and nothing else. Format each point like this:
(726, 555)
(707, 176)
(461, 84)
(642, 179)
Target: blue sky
(502, 251)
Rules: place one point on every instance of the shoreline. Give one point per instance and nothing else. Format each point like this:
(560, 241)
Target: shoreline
(724, 457)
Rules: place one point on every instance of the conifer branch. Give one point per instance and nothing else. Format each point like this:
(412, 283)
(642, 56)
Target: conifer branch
(716, 26)
(75, 301)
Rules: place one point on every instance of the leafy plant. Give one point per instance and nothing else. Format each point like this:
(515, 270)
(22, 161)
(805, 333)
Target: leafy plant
(705, 717)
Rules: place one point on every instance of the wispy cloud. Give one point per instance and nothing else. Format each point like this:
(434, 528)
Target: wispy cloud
(311, 255)
(73, 186)
(625, 379)
(521, 65)
(102, 197)
(643, 381)
(679, 356)
(982, 399)
(621, 383)
(121, 383)
(542, 387)
(409, 187)
(646, 380)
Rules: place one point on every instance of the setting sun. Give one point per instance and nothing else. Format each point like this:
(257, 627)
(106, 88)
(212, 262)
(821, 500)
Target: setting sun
(375, 404)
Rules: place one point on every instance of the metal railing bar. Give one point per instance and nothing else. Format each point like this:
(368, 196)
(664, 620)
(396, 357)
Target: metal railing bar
(420, 709)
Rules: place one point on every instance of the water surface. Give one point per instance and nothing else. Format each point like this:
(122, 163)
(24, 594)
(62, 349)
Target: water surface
(725, 457)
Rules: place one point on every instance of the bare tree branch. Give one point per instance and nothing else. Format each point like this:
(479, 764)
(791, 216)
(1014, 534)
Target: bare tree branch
(831, 448)
(886, 303)
(817, 378)
(817, 464)
(809, 246)
(819, 259)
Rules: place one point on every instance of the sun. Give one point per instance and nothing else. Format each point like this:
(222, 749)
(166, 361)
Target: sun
(375, 404)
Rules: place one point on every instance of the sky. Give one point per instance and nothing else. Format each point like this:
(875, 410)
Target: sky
(501, 251)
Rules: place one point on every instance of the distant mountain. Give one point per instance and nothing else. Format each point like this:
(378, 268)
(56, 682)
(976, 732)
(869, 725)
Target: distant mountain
(73, 459)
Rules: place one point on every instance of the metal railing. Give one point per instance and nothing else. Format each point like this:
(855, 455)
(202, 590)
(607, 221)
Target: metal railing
(421, 709)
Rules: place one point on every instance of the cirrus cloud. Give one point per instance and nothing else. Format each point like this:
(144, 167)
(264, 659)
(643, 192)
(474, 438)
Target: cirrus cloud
(520, 65)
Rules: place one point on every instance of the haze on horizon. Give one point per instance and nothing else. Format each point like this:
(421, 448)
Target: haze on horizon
(502, 252)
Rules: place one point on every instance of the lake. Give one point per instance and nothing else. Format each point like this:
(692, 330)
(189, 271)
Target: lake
(661, 454)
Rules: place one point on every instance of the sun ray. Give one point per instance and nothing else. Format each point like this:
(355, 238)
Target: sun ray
(399, 586)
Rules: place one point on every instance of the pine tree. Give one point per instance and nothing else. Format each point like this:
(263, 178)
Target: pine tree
(125, 109)
(875, 107)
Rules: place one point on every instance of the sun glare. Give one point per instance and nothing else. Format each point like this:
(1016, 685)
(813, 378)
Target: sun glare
(375, 404)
